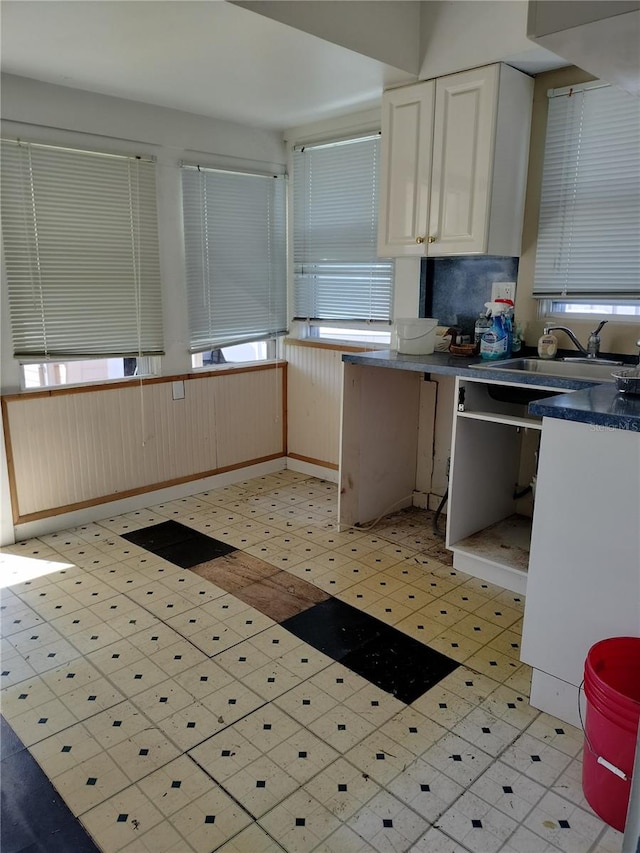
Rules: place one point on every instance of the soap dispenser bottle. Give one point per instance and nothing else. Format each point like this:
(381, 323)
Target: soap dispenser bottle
(547, 345)
(516, 345)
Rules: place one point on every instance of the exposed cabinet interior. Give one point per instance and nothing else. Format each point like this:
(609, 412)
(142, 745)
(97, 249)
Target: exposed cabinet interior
(493, 459)
(494, 456)
(379, 443)
(454, 164)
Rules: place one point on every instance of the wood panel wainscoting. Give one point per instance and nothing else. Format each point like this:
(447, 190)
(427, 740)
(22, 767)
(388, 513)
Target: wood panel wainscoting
(314, 400)
(71, 448)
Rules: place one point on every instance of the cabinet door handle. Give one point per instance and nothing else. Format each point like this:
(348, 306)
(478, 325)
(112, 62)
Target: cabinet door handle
(432, 239)
(419, 240)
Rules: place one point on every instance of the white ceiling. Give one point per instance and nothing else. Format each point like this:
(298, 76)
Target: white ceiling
(210, 58)
(207, 57)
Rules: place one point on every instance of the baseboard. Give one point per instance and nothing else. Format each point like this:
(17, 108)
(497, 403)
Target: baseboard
(313, 470)
(434, 503)
(556, 697)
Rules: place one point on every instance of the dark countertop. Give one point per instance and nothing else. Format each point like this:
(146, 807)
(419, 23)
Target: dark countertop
(600, 405)
(590, 402)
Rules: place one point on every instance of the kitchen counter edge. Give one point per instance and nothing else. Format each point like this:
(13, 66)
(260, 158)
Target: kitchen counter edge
(600, 405)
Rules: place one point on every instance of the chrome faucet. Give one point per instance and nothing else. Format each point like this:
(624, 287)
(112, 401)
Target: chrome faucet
(592, 349)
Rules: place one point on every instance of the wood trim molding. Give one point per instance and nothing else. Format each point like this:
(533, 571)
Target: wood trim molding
(285, 408)
(333, 465)
(13, 491)
(129, 493)
(317, 344)
(214, 373)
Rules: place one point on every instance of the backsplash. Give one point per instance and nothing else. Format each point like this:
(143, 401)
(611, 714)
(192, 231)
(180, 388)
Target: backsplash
(454, 290)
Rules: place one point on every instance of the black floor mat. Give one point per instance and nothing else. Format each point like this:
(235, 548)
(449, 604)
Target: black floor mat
(400, 665)
(34, 816)
(334, 627)
(178, 543)
(378, 652)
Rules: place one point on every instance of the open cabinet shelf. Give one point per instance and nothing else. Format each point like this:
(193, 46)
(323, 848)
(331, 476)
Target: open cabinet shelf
(493, 457)
(503, 547)
(512, 420)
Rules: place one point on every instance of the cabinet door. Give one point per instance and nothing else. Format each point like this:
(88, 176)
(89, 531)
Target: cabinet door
(407, 131)
(464, 132)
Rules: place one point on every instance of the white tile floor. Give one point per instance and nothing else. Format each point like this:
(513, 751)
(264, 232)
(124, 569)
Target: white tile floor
(171, 716)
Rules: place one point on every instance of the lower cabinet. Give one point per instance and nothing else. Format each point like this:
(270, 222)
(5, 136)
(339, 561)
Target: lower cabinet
(573, 548)
(584, 583)
(494, 453)
(379, 442)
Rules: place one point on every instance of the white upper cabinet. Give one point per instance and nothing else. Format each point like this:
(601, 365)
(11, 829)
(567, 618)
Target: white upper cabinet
(464, 124)
(454, 164)
(405, 177)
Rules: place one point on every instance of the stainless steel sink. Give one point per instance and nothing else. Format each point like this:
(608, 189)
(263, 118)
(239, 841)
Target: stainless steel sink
(599, 371)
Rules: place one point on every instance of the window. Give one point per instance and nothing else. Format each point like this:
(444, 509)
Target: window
(588, 253)
(81, 249)
(235, 254)
(337, 274)
(368, 335)
(237, 354)
(51, 373)
(581, 310)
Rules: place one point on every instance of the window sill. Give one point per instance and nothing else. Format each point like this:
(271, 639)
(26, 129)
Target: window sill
(74, 387)
(138, 381)
(335, 344)
(231, 365)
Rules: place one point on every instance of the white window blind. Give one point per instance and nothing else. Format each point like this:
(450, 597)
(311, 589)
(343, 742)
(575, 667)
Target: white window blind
(590, 204)
(235, 253)
(337, 274)
(81, 252)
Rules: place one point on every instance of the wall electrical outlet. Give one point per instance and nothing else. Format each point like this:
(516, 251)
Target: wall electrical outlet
(503, 290)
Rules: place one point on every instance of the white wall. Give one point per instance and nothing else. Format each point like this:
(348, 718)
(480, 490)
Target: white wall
(32, 102)
(601, 37)
(545, 18)
(429, 38)
(47, 113)
(387, 31)
(406, 293)
(465, 34)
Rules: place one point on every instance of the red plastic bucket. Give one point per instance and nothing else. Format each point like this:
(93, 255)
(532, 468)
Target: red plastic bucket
(612, 690)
